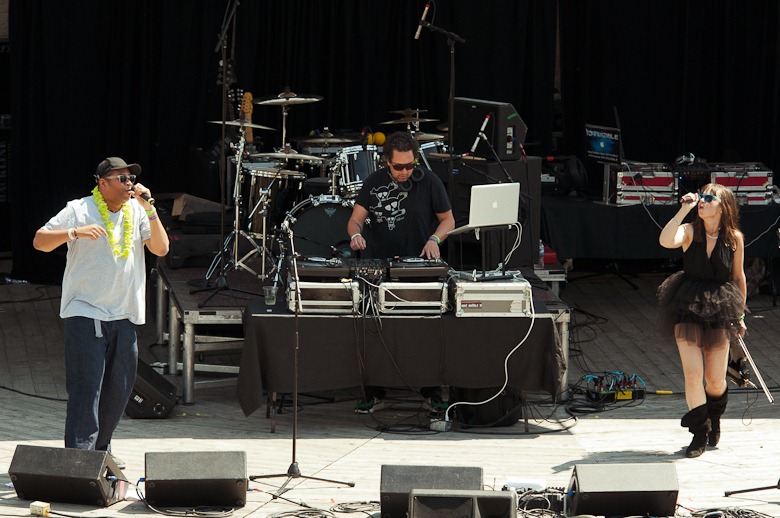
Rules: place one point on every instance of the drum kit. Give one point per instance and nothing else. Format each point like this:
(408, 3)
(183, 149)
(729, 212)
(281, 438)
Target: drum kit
(312, 191)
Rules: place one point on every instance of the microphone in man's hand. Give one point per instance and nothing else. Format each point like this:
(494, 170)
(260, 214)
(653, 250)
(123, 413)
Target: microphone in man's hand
(147, 198)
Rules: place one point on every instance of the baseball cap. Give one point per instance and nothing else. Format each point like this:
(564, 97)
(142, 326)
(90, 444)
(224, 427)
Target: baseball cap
(113, 163)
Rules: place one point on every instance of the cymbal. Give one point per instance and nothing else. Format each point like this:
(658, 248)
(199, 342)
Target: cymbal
(287, 98)
(243, 124)
(409, 112)
(426, 137)
(287, 155)
(323, 139)
(407, 120)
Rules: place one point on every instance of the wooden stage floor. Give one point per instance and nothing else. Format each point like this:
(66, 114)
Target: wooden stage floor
(612, 330)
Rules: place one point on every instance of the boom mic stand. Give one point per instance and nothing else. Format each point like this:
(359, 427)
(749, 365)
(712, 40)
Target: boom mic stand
(452, 39)
(294, 471)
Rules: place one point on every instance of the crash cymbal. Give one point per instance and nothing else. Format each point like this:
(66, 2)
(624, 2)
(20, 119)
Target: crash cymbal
(287, 155)
(409, 112)
(323, 139)
(287, 98)
(243, 124)
(408, 120)
(419, 136)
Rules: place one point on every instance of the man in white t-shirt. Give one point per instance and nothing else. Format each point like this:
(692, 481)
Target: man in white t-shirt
(103, 296)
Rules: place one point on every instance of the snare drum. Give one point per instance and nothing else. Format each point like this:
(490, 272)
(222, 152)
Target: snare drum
(356, 165)
(272, 190)
(319, 225)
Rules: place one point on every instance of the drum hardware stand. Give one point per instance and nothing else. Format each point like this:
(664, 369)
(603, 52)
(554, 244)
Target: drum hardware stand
(222, 282)
(225, 77)
(294, 471)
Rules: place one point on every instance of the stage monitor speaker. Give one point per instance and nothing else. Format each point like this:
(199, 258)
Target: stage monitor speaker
(464, 251)
(398, 481)
(447, 503)
(153, 396)
(505, 130)
(623, 489)
(67, 475)
(191, 479)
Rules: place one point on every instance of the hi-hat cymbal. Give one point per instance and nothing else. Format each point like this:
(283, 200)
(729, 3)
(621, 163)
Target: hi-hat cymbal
(408, 120)
(408, 112)
(419, 136)
(288, 155)
(243, 124)
(287, 98)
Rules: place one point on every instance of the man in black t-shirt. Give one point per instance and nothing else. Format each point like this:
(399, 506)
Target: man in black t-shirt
(410, 215)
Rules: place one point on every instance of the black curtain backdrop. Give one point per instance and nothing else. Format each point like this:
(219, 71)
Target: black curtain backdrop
(139, 79)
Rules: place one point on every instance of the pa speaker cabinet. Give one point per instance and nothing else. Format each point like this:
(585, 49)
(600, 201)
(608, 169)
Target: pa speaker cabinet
(153, 396)
(398, 481)
(623, 489)
(447, 503)
(185, 479)
(464, 251)
(67, 475)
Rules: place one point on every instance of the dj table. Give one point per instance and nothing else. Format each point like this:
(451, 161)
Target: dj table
(341, 351)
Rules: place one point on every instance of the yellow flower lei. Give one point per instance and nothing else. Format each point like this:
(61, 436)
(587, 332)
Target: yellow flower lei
(127, 226)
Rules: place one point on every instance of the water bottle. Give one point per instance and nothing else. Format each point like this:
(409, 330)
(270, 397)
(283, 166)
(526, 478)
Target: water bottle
(540, 261)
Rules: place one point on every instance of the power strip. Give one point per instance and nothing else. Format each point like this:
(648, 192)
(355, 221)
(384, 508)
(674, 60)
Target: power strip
(612, 396)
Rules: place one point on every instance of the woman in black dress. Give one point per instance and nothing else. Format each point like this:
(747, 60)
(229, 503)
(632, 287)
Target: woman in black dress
(704, 305)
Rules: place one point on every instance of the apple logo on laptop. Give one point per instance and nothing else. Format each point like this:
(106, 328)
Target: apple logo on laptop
(495, 204)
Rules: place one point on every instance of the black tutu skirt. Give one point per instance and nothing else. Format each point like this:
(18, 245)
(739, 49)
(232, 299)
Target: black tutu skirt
(700, 311)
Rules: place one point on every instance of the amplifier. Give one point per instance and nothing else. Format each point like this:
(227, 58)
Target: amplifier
(498, 298)
(407, 298)
(324, 297)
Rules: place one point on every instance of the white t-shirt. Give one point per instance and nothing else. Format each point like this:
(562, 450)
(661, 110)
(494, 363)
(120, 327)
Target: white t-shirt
(96, 283)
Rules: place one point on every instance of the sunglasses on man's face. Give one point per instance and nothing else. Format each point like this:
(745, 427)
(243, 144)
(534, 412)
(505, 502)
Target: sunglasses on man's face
(708, 198)
(122, 178)
(401, 167)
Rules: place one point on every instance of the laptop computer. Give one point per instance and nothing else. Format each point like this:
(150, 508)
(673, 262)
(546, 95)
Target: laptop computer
(491, 205)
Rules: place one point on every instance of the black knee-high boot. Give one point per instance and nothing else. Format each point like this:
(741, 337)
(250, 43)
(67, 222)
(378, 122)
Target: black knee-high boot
(715, 408)
(698, 424)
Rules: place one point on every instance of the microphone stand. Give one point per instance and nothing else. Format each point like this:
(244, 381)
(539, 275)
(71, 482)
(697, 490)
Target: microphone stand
(452, 38)
(294, 471)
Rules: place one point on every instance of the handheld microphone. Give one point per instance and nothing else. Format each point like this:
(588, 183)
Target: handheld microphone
(481, 133)
(148, 198)
(422, 20)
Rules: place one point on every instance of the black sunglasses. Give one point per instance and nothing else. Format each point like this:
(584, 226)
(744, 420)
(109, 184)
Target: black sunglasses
(122, 178)
(401, 167)
(708, 197)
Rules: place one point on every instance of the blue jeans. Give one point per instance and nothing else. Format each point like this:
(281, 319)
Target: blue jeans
(99, 377)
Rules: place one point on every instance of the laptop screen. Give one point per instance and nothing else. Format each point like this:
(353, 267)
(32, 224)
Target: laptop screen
(602, 143)
(492, 205)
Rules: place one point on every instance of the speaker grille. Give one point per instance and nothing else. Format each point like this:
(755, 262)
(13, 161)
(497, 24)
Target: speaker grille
(183, 479)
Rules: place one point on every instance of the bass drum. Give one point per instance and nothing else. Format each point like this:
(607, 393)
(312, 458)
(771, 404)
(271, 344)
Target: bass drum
(319, 226)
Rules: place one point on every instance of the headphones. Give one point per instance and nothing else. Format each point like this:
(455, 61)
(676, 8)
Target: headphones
(417, 175)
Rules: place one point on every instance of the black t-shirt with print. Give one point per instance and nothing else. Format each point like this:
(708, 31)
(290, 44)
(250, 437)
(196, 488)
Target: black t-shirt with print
(401, 221)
